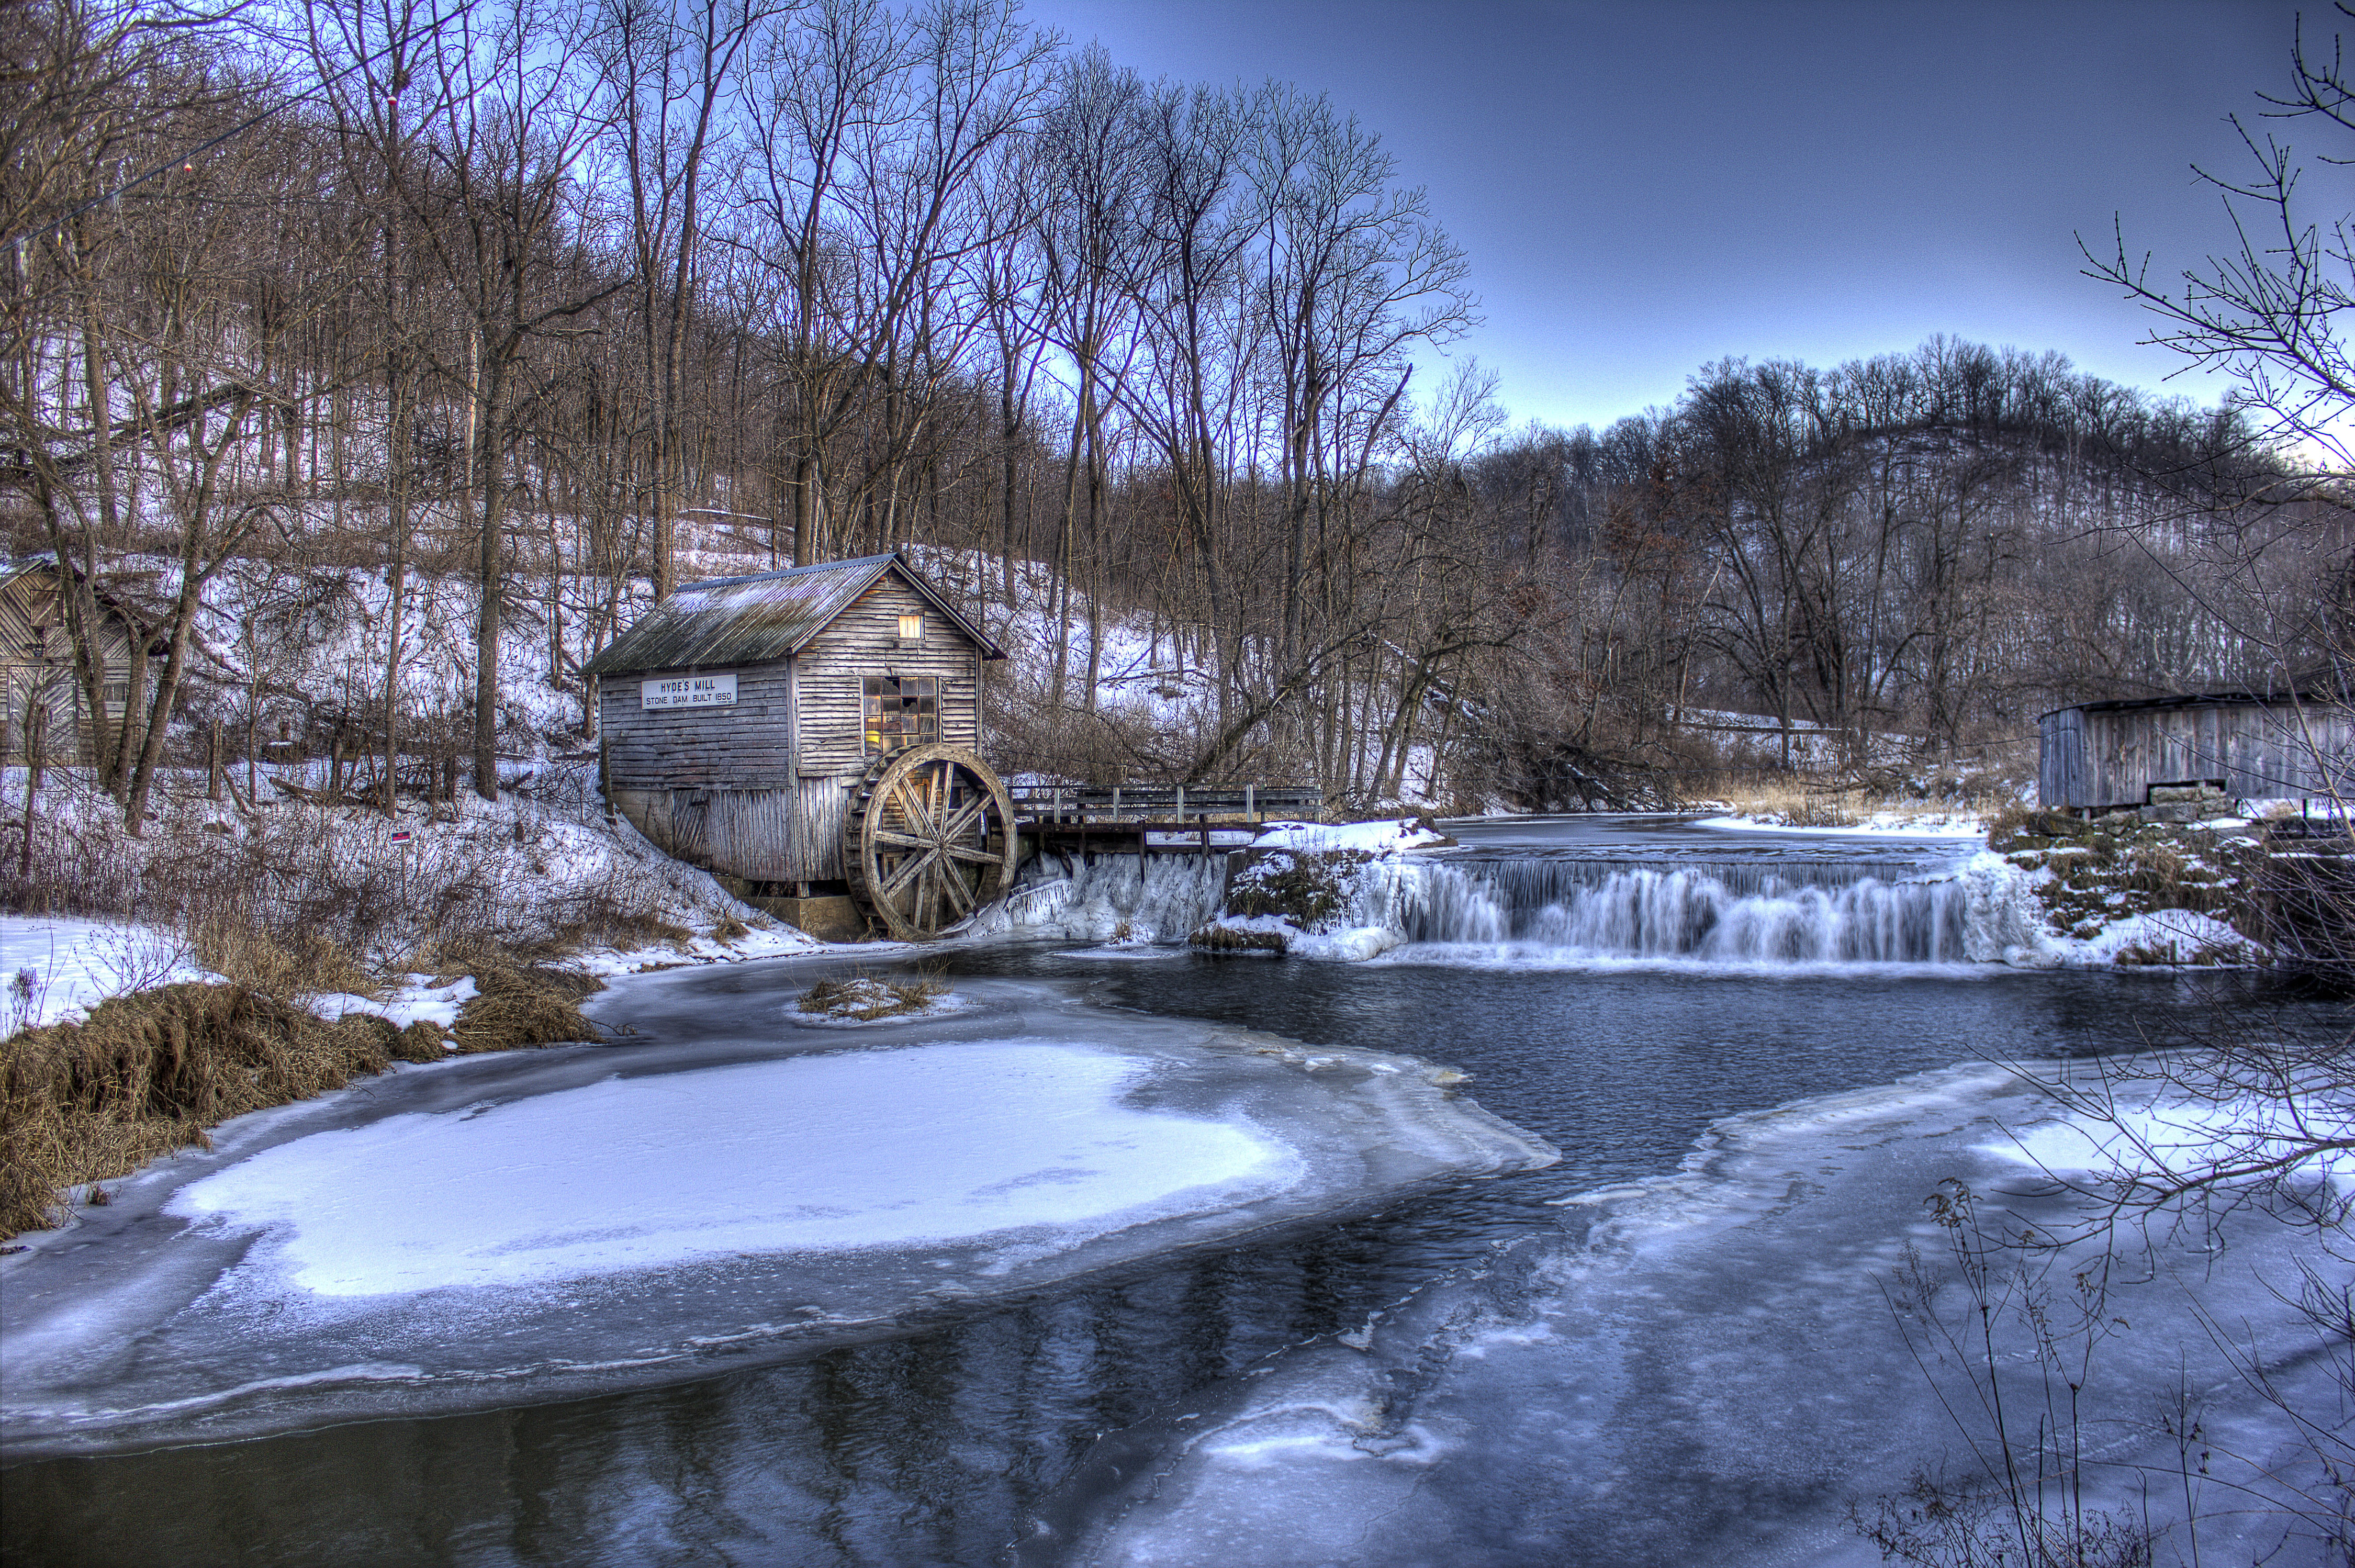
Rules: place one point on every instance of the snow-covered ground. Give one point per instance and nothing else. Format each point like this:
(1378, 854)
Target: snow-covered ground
(1879, 823)
(2163, 938)
(542, 1225)
(520, 869)
(413, 999)
(56, 968)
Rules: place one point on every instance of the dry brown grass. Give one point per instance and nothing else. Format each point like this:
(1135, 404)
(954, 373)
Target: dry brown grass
(866, 997)
(1803, 805)
(516, 1002)
(149, 1073)
(1229, 939)
(311, 964)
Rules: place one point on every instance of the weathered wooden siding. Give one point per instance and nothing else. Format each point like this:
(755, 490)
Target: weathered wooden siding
(864, 640)
(818, 810)
(2061, 760)
(2091, 758)
(758, 789)
(746, 745)
(766, 835)
(37, 664)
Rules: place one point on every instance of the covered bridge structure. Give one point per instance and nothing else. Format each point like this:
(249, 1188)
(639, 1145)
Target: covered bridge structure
(808, 736)
(2296, 743)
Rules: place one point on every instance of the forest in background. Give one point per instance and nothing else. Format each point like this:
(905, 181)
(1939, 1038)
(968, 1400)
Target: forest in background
(570, 303)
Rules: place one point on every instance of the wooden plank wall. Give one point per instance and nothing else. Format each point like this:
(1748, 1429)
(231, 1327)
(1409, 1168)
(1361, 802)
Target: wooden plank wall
(2060, 761)
(748, 745)
(766, 834)
(29, 608)
(864, 640)
(2096, 760)
(816, 843)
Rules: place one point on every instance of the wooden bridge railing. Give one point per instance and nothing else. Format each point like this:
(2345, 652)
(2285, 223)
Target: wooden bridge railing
(1078, 804)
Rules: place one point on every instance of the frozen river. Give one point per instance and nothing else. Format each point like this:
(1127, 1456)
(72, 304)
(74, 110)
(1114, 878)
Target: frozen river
(1755, 1054)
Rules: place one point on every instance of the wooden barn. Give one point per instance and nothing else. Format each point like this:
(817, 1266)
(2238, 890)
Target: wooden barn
(37, 664)
(809, 737)
(2296, 743)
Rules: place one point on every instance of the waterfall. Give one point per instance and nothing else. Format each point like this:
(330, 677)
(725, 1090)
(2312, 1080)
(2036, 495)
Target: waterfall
(1869, 906)
(1751, 912)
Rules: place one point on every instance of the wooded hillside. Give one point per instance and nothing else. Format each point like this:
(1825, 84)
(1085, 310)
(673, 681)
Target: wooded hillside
(576, 303)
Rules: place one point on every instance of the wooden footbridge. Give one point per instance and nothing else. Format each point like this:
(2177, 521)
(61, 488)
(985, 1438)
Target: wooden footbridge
(1155, 820)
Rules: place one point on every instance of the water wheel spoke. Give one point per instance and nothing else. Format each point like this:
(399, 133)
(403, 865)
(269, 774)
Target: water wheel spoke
(928, 839)
(961, 825)
(910, 800)
(951, 882)
(906, 871)
(927, 911)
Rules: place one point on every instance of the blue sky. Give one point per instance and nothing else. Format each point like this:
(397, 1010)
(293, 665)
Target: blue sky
(1643, 188)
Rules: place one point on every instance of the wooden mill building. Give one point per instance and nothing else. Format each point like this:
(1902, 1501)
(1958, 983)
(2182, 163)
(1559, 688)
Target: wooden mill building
(2296, 743)
(37, 663)
(808, 736)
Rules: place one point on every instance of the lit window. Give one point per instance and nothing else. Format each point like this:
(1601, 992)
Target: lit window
(911, 627)
(901, 711)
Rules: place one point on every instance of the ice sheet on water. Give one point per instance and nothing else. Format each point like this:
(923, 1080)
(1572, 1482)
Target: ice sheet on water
(1707, 1371)
(504, 1229)
(1880, 825)
(2152, 1128)
(792, 1155)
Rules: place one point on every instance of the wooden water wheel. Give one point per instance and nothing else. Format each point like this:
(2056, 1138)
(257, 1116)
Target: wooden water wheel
(928, 840)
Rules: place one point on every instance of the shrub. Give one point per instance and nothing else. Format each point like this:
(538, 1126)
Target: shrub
(1232, 939)
(1309, 888)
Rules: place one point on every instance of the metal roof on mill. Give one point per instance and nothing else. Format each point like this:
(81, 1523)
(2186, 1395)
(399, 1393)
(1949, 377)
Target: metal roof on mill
(770, 615)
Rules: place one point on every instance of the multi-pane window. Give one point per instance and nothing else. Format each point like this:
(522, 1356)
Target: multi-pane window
(901, 711)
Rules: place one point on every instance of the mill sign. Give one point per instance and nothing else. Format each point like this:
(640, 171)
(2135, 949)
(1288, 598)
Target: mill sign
(689, 691)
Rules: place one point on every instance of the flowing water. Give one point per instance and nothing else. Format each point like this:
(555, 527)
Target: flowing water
(1456, 1368)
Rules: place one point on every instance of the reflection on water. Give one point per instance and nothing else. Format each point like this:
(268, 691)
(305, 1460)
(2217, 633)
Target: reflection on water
(925, 1450)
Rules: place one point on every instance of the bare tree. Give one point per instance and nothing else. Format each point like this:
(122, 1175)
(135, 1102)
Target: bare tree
(496, 208)
(2267, 311)
(666, 71)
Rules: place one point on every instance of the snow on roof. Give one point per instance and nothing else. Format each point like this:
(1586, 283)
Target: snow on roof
(768, 616)
(127, 594)
(2324, 684)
